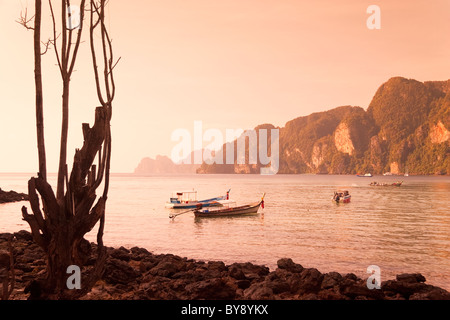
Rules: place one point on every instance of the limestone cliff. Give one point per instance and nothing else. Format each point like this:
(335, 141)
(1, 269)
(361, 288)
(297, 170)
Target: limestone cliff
(342, 139)
(439, 133)
(406, 125)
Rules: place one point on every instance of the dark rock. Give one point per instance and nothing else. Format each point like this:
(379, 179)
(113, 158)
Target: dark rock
(329, 294)
(433, 293)
(308, 281)
(360, 290)
(351, 276)
(120, 254)
(414, 290)
(12, 196)
(217, 265)
(236, 272)
(139, 253)
(138, 274)
(211, 289)
(259, 291)
(331, 280)
(249, 270)
(23, 235)
(243, 284)
(410, 277)
(278, 286)
(289, 265)
(168, 266)
(119, 272)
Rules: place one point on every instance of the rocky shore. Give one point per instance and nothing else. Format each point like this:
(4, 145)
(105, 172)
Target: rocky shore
(137, 274)
(12, 196)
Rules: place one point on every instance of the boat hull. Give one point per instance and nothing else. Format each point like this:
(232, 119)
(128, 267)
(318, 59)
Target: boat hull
(345, 199)
(251, 209)
(192, 205)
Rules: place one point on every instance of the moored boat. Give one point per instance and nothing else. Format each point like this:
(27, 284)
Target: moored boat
(230, 209)
(364, 175)
(342, 196)
(383, 184)
(188, 200)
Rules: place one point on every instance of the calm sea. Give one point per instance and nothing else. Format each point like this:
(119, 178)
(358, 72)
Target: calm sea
(400, 229)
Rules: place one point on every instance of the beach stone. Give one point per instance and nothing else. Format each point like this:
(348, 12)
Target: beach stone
(308, 281)
(217, 265)
(119, 272)
(410, 277)
(168, 266)
(139, 254)
(278, 286)
(433, 293)
(258, 291)
(361, 292)
(243, 284)
(331, 280)
(211, 289)
(23, 235)
(138, 274)
(120, 254)
(289, 265)
(247, 271)
(329, 294)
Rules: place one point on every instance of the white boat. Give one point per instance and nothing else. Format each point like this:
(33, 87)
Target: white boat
(364, 175)
(188, 200)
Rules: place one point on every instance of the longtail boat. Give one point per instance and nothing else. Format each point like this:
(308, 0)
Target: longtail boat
(230, 209)
(342, 197)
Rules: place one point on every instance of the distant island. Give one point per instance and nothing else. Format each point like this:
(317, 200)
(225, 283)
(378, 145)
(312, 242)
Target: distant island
(163, 164)
(405, 129)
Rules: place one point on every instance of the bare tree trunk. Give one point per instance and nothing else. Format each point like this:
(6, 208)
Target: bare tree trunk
(7, 275)
(64, 135)
(59, 228)
(39, 90)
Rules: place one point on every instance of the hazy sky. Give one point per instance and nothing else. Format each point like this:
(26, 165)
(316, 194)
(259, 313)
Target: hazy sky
(231, 64)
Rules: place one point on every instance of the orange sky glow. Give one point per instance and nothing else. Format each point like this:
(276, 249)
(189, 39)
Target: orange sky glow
(231, 64)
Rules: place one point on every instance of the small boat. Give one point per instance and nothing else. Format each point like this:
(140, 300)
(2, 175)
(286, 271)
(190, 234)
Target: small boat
(342, 197)
(188, 200)
(230, 209)
(364, 175)
(383, 184)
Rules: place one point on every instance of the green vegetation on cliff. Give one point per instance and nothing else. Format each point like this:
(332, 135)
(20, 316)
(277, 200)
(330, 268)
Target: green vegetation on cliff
(406, 127)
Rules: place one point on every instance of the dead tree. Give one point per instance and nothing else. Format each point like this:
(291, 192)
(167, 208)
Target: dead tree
(7, 275)
(66, 217)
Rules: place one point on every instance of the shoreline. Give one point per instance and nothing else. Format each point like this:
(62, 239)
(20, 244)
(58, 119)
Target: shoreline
(12, 196)
(137, 274)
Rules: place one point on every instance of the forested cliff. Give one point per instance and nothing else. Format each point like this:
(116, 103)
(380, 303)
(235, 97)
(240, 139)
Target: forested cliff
(405, 128)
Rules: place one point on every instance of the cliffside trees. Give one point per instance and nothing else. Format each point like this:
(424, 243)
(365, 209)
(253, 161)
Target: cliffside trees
(60, 222)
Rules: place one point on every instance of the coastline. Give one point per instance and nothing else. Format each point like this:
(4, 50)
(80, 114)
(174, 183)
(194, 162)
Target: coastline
(12, 196)
(137, 274)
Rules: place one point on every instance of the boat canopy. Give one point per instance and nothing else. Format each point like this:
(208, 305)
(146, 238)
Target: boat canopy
(184, 195)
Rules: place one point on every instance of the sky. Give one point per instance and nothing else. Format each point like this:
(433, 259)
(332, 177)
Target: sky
(230, 64)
